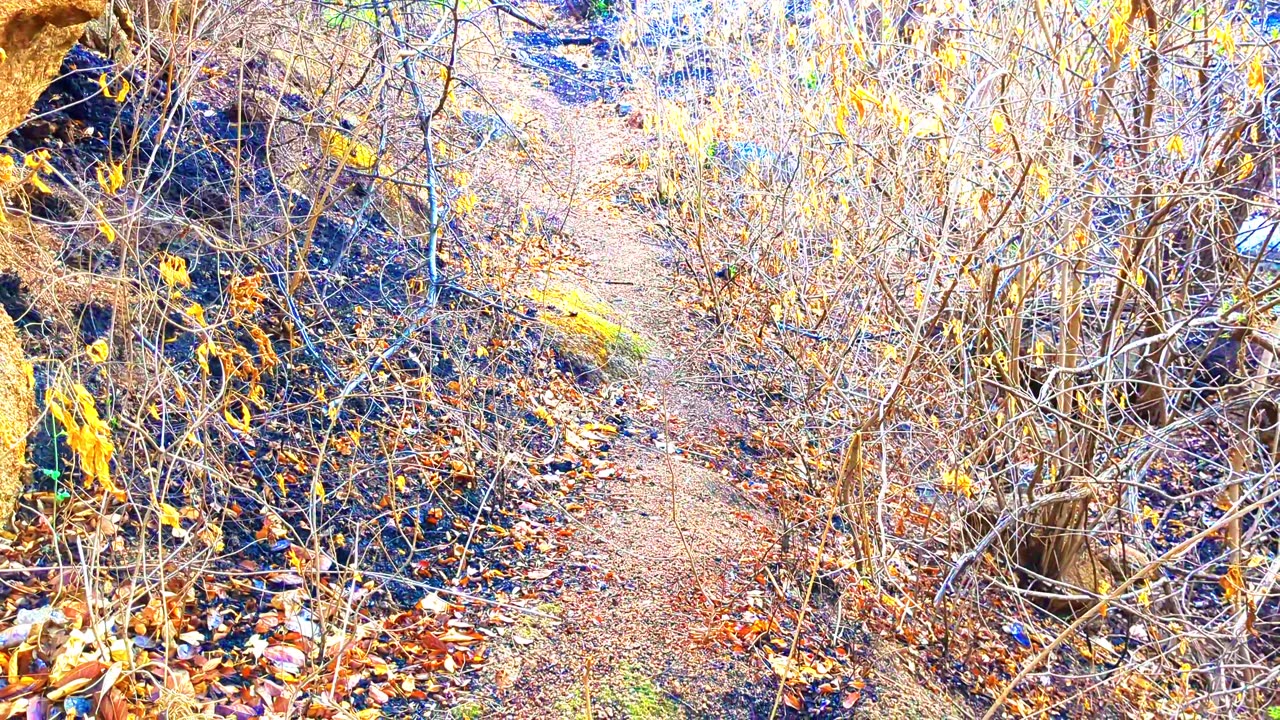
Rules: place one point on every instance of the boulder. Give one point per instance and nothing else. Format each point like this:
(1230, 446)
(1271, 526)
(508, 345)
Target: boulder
(17, 410)
(35, 35)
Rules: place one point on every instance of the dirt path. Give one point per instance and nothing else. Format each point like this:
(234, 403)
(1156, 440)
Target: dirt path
(666, 542)
(665, 532)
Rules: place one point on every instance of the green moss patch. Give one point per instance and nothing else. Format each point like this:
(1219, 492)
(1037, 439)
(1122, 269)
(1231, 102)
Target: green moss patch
(626, 693)
(588, 330)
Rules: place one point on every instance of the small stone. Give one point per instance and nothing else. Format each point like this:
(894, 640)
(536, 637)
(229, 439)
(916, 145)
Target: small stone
(77, 706)
(1019, 634)
(624, 109)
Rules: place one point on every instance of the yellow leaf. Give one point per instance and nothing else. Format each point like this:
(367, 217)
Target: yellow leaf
(38, 161)
(195, 311)
(104, 225)
(107, 231)
(466, 204)
(206, 350)
(1176, 147)
(173, 270)
(125, 87)
(1257, 78)
(98, 351)
(239, 423)
(926, 127)
(1233, 584)
(169, 516)
(1246, 167)
(1041, 174)
(1118, 31)
(858, 50)
(997, 122)
(356, 154)
(88, 435)
(319, 490)
(110, 177)
(40, 184)
(862, 98)
(1225, 39)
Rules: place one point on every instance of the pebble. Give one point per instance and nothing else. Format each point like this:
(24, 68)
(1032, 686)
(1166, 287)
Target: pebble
(1019, 634)
(624, 109)
(77, 706)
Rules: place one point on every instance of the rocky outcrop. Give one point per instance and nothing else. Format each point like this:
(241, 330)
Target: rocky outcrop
(17, 409)
(35, 35)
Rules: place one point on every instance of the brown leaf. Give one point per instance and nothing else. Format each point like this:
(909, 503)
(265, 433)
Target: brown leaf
(24, 685)
(113, 706)
(453, 635)
(68, 688)
(433, 642)
(286, 657)
(87, 670)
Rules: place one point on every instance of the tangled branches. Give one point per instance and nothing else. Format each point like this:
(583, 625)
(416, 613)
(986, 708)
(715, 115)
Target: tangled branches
(1020, 257)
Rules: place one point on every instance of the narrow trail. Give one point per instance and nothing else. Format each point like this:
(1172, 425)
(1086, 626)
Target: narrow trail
(667, 542)
(666, 531)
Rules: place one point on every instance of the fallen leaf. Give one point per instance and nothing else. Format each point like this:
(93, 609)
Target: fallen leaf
(286, 657)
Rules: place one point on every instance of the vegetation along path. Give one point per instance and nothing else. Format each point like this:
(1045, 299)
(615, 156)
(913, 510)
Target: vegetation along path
(584, 359)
